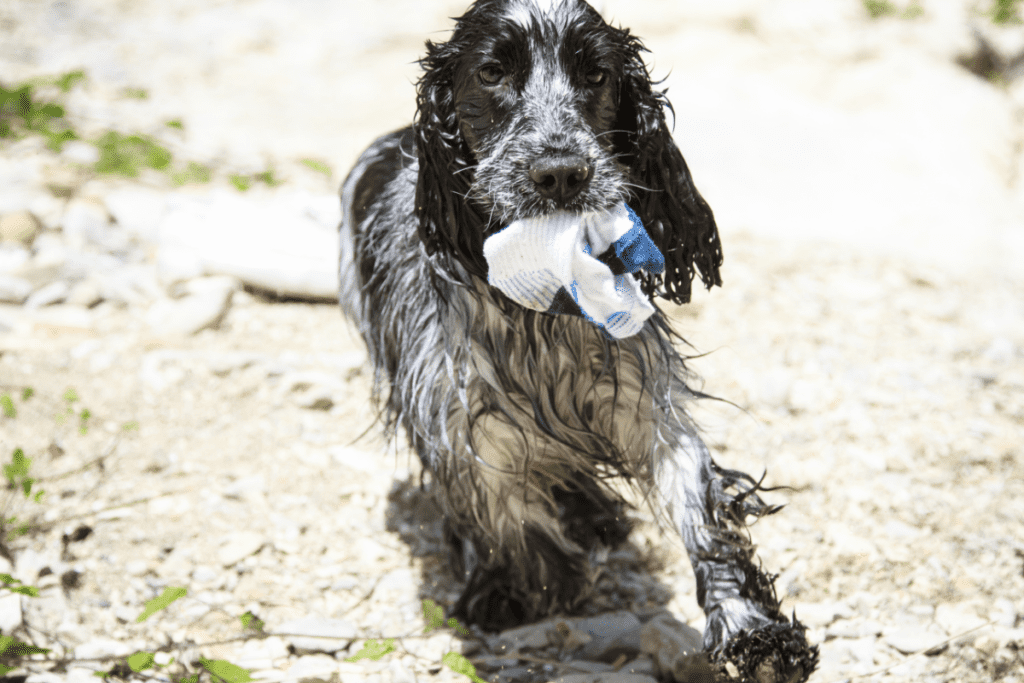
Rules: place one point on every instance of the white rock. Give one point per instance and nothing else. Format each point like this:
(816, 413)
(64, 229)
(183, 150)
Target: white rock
(102, 647)
(265, 243)
(85, 221)
(239, 546)
(317, 634)
(957, 617)
(86, 293)
(820, 614)
(854, 628)
(310, 666)
(53, 293)
(138, 210)
(260, 654)
(80, 152)
(909, 639)
(12, 257)
(10, 612)
(14, 290)
(190, 314)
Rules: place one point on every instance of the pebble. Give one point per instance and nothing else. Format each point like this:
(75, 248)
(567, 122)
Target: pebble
(854, 628)
(910, 639)
(609, 677)
(21, 227)
(14, 290)
(137, 210)
(821, 614)
(192, 313)
(53, 293)
(10, 613)
(310, 666)
(317, 634)
(85, 222)
(239, 546)
(675, 648)
(260, 653)
(86, 293)
(957, 618)
(99, 648)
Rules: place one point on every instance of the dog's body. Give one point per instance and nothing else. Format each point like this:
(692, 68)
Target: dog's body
(520, 416)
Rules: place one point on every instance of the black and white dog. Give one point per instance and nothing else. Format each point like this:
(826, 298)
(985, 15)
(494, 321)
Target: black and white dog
(520, 416)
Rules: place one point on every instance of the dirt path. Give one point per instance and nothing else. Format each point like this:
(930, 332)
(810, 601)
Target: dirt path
(888, 397)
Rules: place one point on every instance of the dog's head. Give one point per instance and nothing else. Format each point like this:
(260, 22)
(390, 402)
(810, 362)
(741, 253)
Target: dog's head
(534, 106)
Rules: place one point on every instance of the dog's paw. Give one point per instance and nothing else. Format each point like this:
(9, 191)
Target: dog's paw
(491, 604)
(774, 653)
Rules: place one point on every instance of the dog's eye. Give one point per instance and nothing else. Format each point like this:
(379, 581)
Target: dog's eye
(597, 78)
(491, 75)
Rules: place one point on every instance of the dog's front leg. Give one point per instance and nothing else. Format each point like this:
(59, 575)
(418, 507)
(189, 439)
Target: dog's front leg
(745, 626)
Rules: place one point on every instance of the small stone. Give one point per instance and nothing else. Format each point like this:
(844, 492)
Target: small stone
(957, 618)
(261, 653)
(86, 293)
(313, 666)
(400, 673)
(14, 290)
(13, 257)
(99, 648)
(53, 293)
(189, 314)
(10, 613)
(239, 546)
(609, 677)
(19, 227)
(85, 221)
(137, 210)
(675, 647)
(317, 634)
(732, 670)
(911, 639)
(820, 614)
(80, 152)
(316, 398)
(854, 628)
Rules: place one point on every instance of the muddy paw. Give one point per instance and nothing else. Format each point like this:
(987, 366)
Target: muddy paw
(776, 653)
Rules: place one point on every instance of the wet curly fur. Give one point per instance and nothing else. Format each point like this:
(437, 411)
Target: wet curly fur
(521, 418)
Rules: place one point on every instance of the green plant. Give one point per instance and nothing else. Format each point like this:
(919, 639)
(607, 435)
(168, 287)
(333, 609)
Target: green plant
(318, 166)
(192, 173)
(879, 8)
(127, 155)
(136, 93)
(21, 112)
(1005, 11)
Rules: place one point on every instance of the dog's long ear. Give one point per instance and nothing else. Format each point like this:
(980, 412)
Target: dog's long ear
(448, 225)
(677, 218)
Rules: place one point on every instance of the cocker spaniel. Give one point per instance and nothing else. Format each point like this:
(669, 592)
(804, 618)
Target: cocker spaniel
(538, 113)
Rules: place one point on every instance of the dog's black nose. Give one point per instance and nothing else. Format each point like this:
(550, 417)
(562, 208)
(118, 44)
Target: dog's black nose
(560, 177)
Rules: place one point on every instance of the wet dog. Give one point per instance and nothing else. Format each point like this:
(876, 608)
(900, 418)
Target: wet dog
(536, 108)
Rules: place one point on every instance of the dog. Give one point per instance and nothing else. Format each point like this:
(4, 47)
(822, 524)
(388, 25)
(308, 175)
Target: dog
(535, 109)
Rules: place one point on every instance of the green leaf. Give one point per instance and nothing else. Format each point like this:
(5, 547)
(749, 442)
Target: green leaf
(130, 426)
(127, 155)
(169, 595)
(176, 124)
(433, 614)
(136, 93)
(226, 671)
(19, 466)
(252, 622)
(8, 406)
(267, 177)
(461, 665)
(4, 669)
(69, 80)
(140, 661)
(459, 628)
(27, 393)
(12, 647)
(192, 173)
(374, 650)
(70, 395)
(318, 166)
(241, 182)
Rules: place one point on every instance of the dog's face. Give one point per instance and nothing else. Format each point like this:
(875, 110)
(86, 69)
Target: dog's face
(535, 106)
(536, 99)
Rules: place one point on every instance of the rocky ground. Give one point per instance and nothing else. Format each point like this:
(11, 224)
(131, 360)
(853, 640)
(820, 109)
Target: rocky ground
(199, 418)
